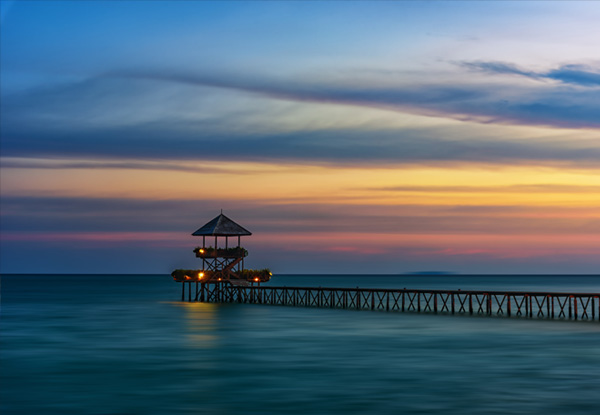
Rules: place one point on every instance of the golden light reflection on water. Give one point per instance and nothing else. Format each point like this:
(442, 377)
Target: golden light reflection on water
(201, 324)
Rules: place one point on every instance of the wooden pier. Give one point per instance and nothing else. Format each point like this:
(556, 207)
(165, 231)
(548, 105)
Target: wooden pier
(541, 305)
(223, 279)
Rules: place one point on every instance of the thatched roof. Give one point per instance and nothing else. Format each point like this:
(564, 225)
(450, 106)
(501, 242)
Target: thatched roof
(222, 226)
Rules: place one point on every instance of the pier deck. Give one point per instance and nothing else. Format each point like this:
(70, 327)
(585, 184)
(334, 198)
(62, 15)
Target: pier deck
(544, 305)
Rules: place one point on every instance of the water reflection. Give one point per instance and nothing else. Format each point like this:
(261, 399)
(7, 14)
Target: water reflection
(201, 323)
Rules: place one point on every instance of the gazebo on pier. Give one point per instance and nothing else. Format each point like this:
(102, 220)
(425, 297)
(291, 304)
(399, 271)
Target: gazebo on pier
(221, 263)
(224, 262)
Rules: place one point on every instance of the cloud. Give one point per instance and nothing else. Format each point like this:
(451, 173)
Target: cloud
(22, 163)
(519, 188)
(497, 68)
(160, 142)
(581, 75)
(31, 215)
(462, 100)
(171, 116)
(575, 74)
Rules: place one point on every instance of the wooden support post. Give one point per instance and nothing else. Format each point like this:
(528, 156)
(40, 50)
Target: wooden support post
(452, 303)
(507, 305)
(593, 308)
(196, 298)
(202, 288)
(190, 291)
(418, 302)
(387, 301)
(183, 291)
(357, 299)
(548, 306)
(570, 308)
(435, 303)
(470, 304)
(575, 304)
(372, 300)
(552, 306)
(403, 292)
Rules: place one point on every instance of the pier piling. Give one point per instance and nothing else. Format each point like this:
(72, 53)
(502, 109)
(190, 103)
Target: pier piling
(540, 305)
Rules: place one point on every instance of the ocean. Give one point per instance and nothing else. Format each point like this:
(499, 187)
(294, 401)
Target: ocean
(125, 344)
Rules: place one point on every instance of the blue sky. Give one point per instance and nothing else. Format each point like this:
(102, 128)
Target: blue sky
(455, 136)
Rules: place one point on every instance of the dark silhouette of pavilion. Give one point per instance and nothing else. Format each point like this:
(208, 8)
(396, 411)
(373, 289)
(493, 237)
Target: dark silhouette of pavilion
(221, 263)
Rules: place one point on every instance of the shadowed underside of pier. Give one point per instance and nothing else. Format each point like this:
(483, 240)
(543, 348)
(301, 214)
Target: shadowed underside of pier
(544, 305)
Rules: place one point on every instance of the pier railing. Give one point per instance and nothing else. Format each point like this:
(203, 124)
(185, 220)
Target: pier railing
(545, 305)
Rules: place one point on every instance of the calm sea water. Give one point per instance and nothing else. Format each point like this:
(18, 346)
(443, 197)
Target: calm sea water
(126, 345)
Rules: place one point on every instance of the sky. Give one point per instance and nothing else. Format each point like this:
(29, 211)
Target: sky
(349, 137)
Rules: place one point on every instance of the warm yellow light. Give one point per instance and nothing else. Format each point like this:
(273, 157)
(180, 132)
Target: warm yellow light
(270, 273)
(255, 279)
(201, 251)
(219, 279)
(200, 275)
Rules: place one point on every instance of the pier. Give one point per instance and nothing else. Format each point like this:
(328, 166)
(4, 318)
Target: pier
(540, 305)
(223, 279)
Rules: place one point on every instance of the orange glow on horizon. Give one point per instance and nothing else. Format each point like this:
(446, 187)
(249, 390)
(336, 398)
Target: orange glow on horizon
(280, 183)
(499, 212)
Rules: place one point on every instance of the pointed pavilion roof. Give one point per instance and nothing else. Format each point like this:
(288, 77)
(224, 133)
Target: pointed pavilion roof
(222, 226)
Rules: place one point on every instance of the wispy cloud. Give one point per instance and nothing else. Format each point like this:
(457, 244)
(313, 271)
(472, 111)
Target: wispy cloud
(518, 188)
(136, 115)
(576, 74)
(54, 164)
(498, 68)
(327, 146)
(71, 214)
(487, 103)
(582, 75)
(62, 122)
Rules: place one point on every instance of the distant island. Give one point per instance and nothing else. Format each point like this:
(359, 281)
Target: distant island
(430, 273)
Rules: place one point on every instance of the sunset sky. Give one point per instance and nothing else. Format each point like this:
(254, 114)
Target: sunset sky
(349, 137)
